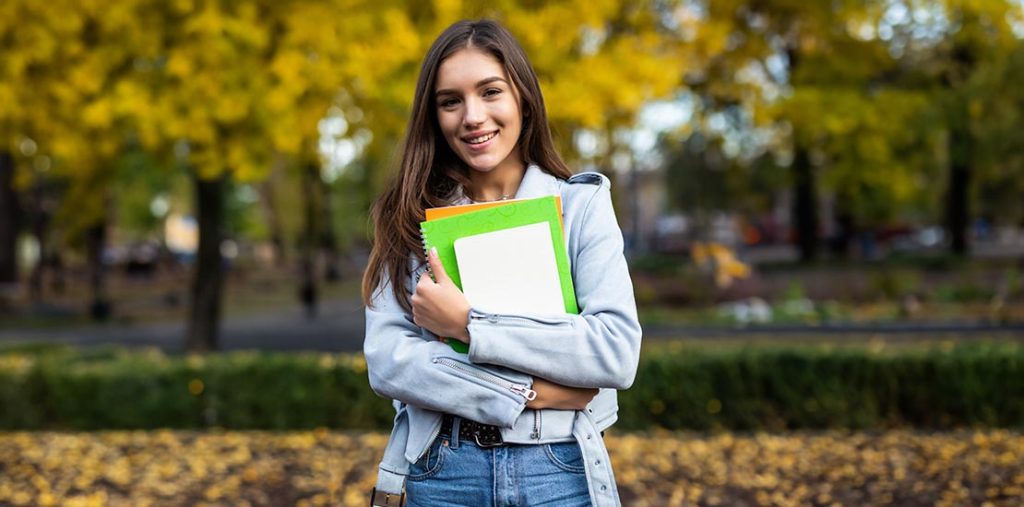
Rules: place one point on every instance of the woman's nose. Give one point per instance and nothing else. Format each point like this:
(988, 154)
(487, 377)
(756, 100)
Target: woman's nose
(475, 112)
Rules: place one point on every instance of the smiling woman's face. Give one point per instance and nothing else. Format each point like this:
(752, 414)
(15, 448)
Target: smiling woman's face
(478, 110)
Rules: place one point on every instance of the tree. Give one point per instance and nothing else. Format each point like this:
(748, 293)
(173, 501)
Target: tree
(1000, 118)
(979, 33)
(789, 64)
(950, 50)
(66, 59)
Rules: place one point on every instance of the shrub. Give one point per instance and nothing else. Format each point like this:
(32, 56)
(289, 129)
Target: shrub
(678, 387)
(861, 387)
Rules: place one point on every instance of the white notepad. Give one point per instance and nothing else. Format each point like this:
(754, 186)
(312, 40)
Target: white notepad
(511, 271)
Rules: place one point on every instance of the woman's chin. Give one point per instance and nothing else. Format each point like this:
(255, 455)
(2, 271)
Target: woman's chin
(483, 166)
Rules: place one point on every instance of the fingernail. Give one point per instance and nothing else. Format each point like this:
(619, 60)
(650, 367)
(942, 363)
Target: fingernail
(433, 251)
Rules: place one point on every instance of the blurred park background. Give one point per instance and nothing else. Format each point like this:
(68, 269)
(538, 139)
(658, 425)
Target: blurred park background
(823, 207)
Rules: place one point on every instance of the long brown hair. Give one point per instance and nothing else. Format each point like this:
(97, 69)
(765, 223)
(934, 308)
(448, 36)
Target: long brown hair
(430, 173)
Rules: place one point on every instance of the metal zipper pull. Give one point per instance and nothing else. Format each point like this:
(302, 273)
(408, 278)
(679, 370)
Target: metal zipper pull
(526, 392)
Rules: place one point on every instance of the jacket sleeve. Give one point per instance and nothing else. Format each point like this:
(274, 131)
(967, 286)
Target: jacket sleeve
(600, 347)
(413, 367)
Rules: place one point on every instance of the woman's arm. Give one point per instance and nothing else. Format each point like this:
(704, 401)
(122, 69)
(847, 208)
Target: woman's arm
(600, 347)
(439, 306)
(405, 365)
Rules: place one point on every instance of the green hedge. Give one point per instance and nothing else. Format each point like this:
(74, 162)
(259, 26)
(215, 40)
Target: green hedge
(118, 388)
(779, 388)
(678, 387)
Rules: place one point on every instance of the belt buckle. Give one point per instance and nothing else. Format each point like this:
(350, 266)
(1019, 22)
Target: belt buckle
(382, 499)
(487, 436)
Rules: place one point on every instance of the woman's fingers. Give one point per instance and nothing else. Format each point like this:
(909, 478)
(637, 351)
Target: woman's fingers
(440, 275)
(440, 307)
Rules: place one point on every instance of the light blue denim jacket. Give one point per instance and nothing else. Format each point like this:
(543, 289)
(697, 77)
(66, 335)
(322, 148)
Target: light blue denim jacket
(599, 348)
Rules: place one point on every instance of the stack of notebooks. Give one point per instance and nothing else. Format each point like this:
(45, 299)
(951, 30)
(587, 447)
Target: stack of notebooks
(506, 256)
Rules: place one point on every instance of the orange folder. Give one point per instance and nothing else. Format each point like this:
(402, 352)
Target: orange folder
(450, 211)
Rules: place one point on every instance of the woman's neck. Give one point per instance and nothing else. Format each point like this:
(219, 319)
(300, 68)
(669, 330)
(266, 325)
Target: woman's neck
(502, 182)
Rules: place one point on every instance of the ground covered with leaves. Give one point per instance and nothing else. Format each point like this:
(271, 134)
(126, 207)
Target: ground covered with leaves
(331, 468)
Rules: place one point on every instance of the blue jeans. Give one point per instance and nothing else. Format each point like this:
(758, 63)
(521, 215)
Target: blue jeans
(454, 473)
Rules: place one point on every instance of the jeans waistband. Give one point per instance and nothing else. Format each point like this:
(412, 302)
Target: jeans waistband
(532, 427)
(483, 435)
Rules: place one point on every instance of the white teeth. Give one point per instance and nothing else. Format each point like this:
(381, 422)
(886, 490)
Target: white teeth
(478, 140)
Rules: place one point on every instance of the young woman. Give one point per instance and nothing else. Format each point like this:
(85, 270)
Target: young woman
(519, 419)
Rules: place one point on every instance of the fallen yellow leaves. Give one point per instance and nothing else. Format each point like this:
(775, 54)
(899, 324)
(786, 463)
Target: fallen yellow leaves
(825, 468)
(325, 468)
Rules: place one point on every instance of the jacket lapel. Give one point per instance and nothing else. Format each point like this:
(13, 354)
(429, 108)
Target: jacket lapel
(536, 183)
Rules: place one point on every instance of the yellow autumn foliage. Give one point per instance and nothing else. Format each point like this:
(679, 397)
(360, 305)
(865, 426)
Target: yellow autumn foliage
(320, 467)
(240, 83)
(201, 69)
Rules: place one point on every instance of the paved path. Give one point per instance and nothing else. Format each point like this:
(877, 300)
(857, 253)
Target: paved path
(340, 327)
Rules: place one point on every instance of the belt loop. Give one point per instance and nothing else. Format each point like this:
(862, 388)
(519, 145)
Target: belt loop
(456, 422)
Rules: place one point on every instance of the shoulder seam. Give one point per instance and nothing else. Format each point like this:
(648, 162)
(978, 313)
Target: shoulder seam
(590, 177)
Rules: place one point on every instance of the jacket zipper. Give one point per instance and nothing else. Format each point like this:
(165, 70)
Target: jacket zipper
(494, 319)
(519, 389)
(536, 425)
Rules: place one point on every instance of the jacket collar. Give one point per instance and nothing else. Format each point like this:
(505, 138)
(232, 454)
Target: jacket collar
(536, 183)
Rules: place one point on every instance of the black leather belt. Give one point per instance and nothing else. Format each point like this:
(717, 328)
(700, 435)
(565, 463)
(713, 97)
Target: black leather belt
(484, 435)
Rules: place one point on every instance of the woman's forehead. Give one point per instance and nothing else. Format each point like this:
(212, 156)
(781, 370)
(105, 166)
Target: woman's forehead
(466, 68)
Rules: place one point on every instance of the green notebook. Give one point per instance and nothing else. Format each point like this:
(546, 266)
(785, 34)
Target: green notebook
(506, 244)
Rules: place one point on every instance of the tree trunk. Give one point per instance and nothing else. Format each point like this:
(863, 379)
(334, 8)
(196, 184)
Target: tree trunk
(805, 201)
(805, 205)
(307, 263)
(958, 213)
(958, 194)
(95, 241)
(328, 239)
(208, 282)
(8, 222)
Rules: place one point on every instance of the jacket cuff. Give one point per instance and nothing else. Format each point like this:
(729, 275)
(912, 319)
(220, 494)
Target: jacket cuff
(482, 336)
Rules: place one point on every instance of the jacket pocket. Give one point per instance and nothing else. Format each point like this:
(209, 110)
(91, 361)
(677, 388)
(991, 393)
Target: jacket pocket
(497, 382)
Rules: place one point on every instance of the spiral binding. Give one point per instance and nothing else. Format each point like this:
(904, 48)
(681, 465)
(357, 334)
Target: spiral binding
(426, 253)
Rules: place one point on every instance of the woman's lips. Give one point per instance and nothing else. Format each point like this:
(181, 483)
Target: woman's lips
(488, 139)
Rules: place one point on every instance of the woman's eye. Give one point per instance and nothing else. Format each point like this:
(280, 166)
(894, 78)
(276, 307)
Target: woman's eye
(491, 92)
(448, 103)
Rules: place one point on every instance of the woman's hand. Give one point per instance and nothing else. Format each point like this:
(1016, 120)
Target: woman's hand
(439, 306)
(559, 397)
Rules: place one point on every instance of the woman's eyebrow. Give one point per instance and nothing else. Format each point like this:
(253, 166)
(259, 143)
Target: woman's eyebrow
(479, 83)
